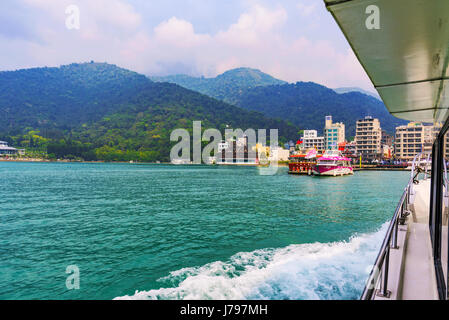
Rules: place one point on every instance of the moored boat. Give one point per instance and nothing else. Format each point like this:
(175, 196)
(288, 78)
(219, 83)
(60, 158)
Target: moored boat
(332, 163)
(299, 164)
(303, 163)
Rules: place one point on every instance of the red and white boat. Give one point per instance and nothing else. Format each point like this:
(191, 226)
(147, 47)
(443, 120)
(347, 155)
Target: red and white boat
(303, 163)
(332, 163)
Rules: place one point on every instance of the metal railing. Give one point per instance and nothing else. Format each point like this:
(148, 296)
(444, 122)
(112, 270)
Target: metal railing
(427, 167)
(445, 180)
(377, 284)
(445, 194)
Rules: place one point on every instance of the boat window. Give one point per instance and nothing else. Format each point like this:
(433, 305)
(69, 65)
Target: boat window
(327, 162)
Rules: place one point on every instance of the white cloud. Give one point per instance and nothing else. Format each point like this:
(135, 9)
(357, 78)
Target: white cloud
(179, 33)
(115, 32)
(114, 12)
(306, 9)
(252, 27)
(110, 12)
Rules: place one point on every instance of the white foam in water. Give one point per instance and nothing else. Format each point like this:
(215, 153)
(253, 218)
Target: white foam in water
(307, 271)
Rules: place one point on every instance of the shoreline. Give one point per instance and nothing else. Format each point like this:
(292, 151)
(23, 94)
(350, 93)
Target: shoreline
(281, 164)
(71, 161)
(37, 160)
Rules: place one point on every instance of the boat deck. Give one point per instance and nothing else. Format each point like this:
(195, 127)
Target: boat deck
(412, 273)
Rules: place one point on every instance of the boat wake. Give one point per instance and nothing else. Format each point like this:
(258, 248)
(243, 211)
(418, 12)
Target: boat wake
(307, 271)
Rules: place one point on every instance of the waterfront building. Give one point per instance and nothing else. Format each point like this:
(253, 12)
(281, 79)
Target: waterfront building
(279, 154)
(348, 149)
(386, 139)
(261, 150)
(310, 139)
(235, 151)
(368, 138)
(415, 138)
(290, 146)
(7, 150)
(334, 133)
(222, 146)
(387, 151)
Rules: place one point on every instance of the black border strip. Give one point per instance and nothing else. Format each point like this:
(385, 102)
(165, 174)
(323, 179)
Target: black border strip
(411, 82)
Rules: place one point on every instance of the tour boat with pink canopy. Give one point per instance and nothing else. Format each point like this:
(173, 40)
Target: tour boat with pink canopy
(332, 163)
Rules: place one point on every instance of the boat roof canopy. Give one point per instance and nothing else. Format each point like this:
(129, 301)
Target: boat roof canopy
(405, 54)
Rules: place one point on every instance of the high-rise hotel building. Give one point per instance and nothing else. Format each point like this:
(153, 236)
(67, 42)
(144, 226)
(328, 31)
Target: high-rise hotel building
(334, 133)
(415, 138)
(310, 139)
(368, 138)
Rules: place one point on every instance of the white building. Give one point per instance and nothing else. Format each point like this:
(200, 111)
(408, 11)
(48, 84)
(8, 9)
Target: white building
(279, 154)
(222, 146)
(310, 139)
(235, 151)
(334, 133)
(368, 137)
(415, 138)
(7, 150)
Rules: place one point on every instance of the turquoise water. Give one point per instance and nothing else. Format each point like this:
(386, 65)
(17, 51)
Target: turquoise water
(196, 232)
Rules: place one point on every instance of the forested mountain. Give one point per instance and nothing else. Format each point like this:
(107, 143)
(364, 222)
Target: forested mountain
(65, 97)
(227, 86)
(307, 103)
(145, 121)
(356, 89)
(100, 111)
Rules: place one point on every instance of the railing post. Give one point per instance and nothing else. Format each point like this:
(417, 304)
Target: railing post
(383, 292)
(407, 198)
(427, 167)
(404, 206)
(395, 235)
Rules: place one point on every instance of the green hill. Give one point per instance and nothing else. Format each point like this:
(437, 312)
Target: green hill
(227, 86)
(100, 111)
(356, 89)
(306, 104)
(65, 97)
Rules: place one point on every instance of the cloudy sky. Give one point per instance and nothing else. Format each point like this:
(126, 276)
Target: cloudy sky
(293, 40)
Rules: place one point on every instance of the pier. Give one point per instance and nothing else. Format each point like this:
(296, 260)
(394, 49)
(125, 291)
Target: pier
(381, 169)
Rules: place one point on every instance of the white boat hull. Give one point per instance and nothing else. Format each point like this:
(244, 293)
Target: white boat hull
(332, 171)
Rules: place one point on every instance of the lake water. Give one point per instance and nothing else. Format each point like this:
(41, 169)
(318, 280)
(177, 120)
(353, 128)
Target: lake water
(189, 232)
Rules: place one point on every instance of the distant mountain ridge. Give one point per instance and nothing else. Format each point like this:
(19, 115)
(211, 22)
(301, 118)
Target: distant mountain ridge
(357, 89)
(305, 104)
(225, 86)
